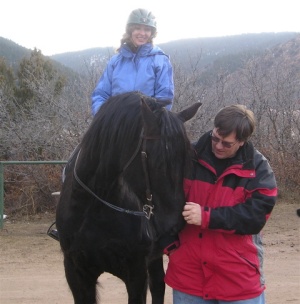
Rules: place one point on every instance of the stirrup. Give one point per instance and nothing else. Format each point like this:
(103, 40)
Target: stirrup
(53, 233)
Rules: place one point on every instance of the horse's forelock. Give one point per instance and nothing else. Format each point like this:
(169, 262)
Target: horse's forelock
(117, 124)
(174, 144)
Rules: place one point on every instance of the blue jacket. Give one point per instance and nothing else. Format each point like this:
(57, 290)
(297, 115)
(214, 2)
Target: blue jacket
(148, 70)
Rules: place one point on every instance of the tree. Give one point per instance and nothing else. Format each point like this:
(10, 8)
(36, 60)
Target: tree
(34, 75)
(7, 87)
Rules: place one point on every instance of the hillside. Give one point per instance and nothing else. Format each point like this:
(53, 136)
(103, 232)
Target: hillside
(12, 52)
(212, 49)
(289, 53)
(283, 59)
(186, 50)
(182, 51)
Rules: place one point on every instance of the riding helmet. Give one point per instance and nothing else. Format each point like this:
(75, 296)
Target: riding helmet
(142, 16)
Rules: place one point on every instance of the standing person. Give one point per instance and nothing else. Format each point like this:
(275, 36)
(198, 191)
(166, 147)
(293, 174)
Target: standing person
(138, 66)
(230, 196)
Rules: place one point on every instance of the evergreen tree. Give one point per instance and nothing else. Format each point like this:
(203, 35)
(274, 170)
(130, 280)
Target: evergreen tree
(37, 80)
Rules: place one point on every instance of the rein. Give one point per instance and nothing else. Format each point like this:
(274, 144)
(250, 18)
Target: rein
(147, 208)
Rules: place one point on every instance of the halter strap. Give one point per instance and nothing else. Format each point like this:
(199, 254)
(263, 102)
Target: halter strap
(147, 208)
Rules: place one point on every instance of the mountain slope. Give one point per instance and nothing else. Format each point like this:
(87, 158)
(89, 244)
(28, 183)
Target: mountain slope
(185, 50)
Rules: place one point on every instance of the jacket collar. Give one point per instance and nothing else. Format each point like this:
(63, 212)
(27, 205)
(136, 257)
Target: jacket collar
(144, 50)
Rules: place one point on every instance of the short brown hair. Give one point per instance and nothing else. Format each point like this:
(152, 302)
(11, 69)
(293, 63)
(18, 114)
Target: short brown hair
(235, 118)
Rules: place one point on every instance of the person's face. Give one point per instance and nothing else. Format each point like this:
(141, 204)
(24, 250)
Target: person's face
(224, 147)
(141, 34)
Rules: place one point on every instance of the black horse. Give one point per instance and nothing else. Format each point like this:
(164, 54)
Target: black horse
(123, 192)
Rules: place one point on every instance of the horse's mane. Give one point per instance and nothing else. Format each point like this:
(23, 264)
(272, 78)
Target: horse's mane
(118, 124)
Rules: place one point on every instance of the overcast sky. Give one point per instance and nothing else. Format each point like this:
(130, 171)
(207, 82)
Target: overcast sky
(60, 26)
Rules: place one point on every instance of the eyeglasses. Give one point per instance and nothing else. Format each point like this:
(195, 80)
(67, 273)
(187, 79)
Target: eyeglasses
(225, 144)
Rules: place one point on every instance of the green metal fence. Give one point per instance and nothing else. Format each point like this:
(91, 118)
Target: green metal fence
(3, 163)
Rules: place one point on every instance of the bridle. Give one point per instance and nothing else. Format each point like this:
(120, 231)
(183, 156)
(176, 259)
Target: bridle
(148, 207)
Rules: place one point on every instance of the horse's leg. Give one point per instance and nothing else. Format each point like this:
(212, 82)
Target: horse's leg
(136, 282)
(156, 280)
(82, 285)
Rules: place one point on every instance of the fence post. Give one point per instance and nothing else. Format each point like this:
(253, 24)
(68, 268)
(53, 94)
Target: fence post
(1, 193)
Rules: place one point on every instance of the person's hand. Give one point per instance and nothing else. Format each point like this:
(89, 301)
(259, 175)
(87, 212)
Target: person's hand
(192, 213)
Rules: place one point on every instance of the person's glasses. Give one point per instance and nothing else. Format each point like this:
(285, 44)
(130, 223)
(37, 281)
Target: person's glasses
(225, 144)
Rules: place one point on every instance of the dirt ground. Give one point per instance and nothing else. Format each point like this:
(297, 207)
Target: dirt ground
(31, 269)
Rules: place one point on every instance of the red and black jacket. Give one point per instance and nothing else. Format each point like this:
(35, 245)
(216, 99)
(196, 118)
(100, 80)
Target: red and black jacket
(222, 259)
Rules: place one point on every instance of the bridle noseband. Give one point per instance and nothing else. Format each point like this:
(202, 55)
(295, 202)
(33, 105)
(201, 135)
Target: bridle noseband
(147, 208)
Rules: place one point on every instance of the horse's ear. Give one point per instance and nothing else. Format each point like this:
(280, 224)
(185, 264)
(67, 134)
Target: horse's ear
(151, 127)
(190, 112)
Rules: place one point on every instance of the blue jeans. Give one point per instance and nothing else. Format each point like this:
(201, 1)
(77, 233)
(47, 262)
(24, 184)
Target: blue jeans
(184, 298)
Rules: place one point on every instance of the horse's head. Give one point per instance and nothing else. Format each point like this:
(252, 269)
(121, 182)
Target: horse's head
(168, 151)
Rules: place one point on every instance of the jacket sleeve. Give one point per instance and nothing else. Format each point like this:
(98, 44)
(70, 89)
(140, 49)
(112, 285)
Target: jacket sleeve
(103, 88)
(250, 216)
(164, 84)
